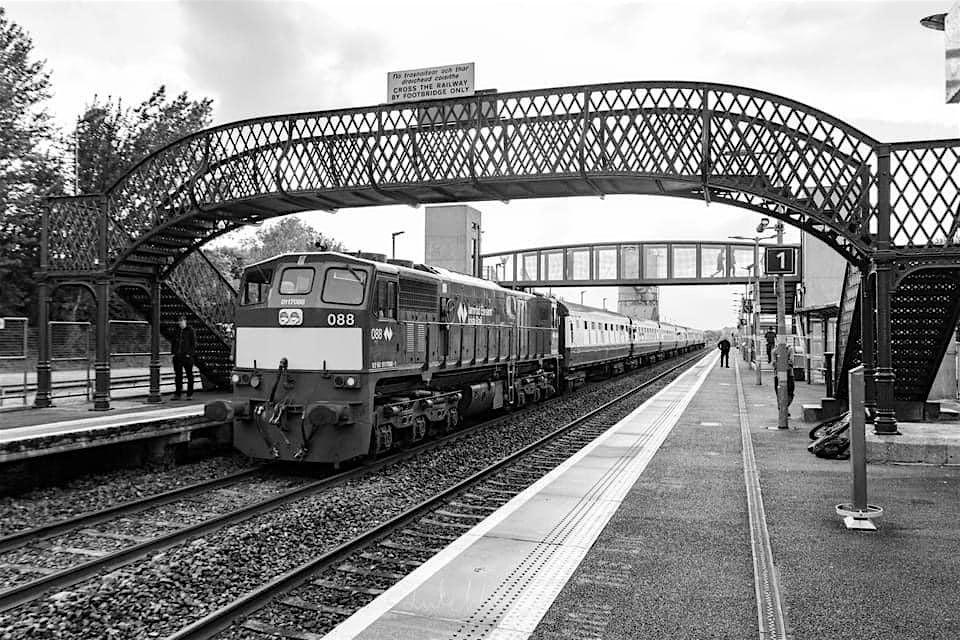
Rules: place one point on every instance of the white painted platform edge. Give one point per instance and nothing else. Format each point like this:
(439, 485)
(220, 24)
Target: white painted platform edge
(82, 425)
(376, 609)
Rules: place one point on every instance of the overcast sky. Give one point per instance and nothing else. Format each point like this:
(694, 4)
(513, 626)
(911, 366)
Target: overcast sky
(869, 63)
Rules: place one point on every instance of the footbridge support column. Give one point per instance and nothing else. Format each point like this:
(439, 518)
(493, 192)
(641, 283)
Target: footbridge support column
(154, 395)
(886, 419)
(43, 397)
(101, 365)
(868, 343)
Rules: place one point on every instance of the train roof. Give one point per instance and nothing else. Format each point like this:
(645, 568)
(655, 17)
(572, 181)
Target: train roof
(421, 270)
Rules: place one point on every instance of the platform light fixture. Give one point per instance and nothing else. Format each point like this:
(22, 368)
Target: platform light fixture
(393, 243)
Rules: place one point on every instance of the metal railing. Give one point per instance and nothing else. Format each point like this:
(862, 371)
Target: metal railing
(71, 342)
(13, 348)
(72, 358)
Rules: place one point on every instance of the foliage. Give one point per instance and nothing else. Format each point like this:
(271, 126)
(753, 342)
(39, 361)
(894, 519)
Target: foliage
(288, 235)
(111, 138)
(30, 167)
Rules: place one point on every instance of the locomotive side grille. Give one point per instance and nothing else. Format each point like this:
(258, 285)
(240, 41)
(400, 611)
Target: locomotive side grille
(411, 345)
(416, 295)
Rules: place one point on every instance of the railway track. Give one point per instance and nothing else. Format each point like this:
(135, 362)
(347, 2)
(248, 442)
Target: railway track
(107, 542)
(312, 598)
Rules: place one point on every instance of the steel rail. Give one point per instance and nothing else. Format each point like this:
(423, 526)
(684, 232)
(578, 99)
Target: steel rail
(219, 620)
(20, 538)
(20, 594)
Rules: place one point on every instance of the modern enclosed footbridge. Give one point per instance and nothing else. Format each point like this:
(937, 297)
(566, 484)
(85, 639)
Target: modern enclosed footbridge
(890, 209)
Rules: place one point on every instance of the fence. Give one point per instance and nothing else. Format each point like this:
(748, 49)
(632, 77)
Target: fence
(71, 349)
(72, 356)
(130, 349)
(13, 352)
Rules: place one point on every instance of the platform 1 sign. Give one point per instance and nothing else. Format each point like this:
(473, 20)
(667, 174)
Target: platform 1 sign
(780, 261)
(431, 83)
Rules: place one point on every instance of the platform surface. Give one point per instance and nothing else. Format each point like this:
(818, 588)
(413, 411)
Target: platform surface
(500, 578)
(646, 534)
(40, 432)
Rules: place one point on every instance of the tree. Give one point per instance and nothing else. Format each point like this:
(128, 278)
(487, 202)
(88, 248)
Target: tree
(30, 165)
(286, 236)
(111, 138)
(289, 235)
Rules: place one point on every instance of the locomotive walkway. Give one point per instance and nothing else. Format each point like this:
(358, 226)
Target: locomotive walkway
(690, 542)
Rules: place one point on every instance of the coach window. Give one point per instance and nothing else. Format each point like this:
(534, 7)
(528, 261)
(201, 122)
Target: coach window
(296, 281)
(386, 300)
(344, 286)
(256, 285)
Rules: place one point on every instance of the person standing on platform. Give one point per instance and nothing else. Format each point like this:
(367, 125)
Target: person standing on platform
(724, 346)
(791, 382)
(771, 337)
(183, 347)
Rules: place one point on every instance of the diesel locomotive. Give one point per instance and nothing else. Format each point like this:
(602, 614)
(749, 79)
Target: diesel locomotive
(341, 356)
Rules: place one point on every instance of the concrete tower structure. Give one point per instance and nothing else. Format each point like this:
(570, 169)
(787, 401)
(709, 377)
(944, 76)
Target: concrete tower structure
(641, 303)
(452, 234)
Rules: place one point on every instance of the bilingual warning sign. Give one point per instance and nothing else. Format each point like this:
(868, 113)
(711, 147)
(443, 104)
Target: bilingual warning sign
(431, 83)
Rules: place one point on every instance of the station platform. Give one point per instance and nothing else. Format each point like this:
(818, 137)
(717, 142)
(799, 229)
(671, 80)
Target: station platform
(39, 432)
(692, 519)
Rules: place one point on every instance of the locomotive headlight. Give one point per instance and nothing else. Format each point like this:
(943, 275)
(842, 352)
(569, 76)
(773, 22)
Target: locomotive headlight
(351, 381)
(235, 378)
(254, 381)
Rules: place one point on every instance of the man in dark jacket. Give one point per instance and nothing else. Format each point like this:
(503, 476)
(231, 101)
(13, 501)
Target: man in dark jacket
(771, 337)
(183, 346)
(724, 346)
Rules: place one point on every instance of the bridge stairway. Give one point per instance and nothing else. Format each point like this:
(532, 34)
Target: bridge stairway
(924, 315)
(197, 290)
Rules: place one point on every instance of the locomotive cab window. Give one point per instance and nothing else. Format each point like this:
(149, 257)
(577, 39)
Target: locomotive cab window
(344, 286)
(296, 281)
(256, 286)
(386, 300)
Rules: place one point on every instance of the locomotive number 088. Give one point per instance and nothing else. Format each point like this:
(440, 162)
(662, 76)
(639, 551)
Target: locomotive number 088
(340, 319)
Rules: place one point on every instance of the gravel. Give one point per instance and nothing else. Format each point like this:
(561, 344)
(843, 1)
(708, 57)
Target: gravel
(155, 597)
(98, 491)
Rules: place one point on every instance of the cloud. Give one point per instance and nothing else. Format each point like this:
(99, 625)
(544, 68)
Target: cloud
(268, 58)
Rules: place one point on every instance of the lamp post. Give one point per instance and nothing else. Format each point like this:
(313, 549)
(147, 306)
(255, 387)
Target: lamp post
(581, 295)
(393, 243)
(604, 304)
(756, 290)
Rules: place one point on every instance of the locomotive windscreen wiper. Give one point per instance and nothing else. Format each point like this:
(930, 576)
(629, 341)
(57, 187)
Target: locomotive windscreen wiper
(355, 274)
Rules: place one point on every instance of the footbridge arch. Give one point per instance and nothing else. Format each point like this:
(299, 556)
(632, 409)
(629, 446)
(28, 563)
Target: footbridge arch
(870, 201)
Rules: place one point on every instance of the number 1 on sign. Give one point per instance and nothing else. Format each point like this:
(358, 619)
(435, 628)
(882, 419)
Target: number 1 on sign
(781, 256)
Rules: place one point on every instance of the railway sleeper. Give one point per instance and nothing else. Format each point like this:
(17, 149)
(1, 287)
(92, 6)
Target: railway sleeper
(459, 514)
(305, 605)
(327, 584)
(373, 573)
(280, 632)
(414, 533)
(384, 559)
(396, 546)
(478, 507)
(441, 523)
